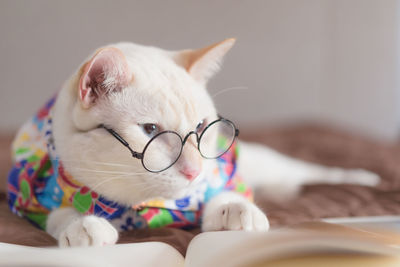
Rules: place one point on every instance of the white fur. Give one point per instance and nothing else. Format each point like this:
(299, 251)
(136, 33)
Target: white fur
(280, 177)
(231, 211)
(73, 229)
(162, 91)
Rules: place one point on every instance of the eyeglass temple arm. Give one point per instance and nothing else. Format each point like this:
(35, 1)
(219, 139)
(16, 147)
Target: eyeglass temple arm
(122, 141)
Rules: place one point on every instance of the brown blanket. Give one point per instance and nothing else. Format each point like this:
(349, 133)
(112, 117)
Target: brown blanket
(315, 144)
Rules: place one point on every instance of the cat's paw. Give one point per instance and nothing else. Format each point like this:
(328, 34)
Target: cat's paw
(240, 215)
(88, 231)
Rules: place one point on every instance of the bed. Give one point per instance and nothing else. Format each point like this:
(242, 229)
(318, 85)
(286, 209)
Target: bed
(311, 143)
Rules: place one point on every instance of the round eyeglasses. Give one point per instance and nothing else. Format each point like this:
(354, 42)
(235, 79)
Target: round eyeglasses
(164, 149)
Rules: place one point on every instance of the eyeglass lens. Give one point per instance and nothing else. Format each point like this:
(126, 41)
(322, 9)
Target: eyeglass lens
(162, 151)
(217, 139)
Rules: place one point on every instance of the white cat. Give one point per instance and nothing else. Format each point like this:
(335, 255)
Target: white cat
(92, 139)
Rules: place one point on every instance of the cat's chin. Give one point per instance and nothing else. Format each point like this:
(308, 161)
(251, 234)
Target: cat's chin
(188, 189)
(177, 194)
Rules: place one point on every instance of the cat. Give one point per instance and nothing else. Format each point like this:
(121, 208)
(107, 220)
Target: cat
(80, 172)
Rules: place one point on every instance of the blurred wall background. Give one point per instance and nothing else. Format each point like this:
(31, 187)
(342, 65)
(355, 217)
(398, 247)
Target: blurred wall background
(334, 62)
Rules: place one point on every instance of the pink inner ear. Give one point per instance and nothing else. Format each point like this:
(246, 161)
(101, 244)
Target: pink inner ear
(107, 71)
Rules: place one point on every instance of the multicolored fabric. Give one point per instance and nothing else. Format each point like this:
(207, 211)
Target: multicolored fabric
(38, 184)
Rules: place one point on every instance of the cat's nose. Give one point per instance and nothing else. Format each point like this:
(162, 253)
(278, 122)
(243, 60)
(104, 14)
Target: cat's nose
(190, 173)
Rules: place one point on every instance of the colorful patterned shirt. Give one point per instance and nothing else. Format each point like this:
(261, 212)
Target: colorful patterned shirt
(38, 184)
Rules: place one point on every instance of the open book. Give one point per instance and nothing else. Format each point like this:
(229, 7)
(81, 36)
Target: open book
(312, 244)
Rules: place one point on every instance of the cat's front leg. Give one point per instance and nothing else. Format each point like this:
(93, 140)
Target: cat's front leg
(231, 211)
(72, 229)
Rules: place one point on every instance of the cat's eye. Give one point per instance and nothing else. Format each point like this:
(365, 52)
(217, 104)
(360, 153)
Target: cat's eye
(150, 129)
(201, 126)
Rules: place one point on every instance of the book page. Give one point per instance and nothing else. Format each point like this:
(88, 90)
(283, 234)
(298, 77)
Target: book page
(329, 260)
(385, 223)
(122, 255)
(210, 247)
(231, 248)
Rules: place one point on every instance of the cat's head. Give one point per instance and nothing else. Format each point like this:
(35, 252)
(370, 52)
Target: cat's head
(137, 91)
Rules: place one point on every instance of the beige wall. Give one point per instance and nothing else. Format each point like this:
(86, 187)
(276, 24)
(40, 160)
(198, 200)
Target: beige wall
(330, 61)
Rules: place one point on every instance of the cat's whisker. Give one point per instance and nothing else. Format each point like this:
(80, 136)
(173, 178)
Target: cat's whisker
(148, 186)
(131, 185)
(109, 172)
(98, 163)
(99, 174)
(120, 177)
(229, 89)
(110, 180)
(128, 185)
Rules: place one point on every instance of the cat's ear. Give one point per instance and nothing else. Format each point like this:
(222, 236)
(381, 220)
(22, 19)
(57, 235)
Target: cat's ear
(203, 63)
(107, 71)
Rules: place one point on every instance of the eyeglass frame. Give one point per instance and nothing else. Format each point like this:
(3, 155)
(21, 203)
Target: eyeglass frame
(140, 156)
